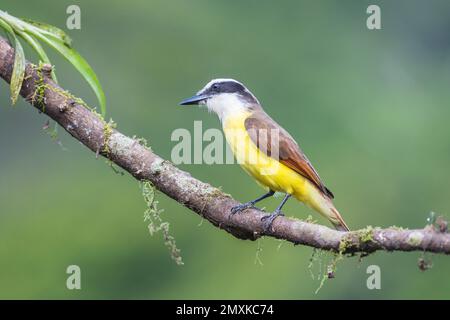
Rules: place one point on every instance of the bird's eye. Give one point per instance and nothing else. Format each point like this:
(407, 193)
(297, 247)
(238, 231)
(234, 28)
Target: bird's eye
(215, 86)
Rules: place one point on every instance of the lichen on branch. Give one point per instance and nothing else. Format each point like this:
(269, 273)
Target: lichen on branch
(152, 215)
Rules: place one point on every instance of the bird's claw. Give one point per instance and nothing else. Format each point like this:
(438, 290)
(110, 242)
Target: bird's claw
(268, 220)
(241, 207)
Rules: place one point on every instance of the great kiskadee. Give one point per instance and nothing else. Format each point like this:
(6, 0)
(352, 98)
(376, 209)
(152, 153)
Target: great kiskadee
(251, 135)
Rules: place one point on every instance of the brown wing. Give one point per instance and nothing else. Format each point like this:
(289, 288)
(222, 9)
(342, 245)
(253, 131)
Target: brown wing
(261, 127)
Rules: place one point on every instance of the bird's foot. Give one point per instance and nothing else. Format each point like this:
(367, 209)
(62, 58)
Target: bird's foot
(242, 207)
(268, 220)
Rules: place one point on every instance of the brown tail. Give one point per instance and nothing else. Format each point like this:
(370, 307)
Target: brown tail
(340, 225)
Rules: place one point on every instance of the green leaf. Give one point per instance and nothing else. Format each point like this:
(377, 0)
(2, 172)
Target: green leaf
(80, 64)
(50, 30)
(18, 71)
(39, 50)
(58, 40)
(19, 64)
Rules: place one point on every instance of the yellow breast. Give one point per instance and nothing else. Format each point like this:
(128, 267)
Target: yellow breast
(267, 171)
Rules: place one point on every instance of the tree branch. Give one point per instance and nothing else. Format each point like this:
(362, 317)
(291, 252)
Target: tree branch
(207, 201)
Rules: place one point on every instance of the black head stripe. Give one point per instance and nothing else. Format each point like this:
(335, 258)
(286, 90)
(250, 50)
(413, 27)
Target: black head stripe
(231, 87)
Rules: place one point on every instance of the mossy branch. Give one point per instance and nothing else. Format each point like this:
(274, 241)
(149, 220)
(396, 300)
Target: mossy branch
(211, 203)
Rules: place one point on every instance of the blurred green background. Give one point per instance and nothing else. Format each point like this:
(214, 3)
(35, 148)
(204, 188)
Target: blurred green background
(370, 108)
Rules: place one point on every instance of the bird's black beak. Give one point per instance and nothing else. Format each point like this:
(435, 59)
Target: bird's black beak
(194, 100)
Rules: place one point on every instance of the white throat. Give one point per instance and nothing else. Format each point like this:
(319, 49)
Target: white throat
(226, 104)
